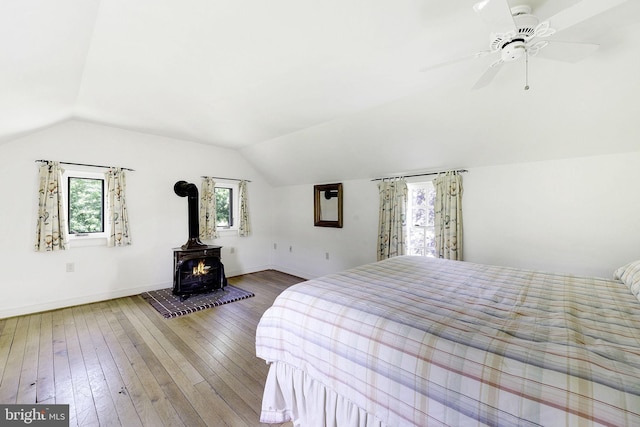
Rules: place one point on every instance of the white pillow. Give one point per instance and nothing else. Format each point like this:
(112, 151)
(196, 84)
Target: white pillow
(630, 276)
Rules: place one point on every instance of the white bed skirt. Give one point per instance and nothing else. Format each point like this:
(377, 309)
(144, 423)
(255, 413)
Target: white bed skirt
(291, 395)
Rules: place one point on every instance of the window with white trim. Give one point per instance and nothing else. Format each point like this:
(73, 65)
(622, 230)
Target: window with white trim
(420, 219)
(226, 205)
(85, 203)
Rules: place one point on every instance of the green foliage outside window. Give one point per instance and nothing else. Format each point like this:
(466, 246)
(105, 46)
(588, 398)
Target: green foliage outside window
(224, 207)
(86, 205)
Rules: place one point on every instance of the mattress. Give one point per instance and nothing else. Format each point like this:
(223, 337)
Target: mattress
(421, 341)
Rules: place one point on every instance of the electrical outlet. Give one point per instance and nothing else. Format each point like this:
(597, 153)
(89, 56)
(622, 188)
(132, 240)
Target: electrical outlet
(290, 248)
(326, 255)
(71, 267)
(275, 246)
(232, 250)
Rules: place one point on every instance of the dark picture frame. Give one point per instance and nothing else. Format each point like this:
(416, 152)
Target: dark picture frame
(327, 205)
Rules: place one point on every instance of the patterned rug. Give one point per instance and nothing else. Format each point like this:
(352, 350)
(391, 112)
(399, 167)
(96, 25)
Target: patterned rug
(169, 305)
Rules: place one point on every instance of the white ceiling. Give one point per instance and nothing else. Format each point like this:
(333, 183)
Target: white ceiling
(313, 91)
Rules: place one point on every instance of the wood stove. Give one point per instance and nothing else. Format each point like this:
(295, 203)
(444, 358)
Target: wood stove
(197, 267)
(197, 270)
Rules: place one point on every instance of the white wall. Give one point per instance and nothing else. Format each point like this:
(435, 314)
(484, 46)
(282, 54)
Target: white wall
(353, 244)
(38, 281)
(576, 216)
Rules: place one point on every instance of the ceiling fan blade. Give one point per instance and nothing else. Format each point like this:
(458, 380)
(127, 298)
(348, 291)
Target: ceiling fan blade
(567, 51)
(616, 16)
(488, 76)
(496, 14)
(582, 11)
(456, 60)
(551, 8)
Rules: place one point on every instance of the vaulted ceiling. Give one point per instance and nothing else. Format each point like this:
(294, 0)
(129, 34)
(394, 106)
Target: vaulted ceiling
(312, 91)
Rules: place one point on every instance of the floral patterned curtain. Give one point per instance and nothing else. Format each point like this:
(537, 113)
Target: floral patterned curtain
(244, 229)
(51, 234)
(208, 227)
(117, 208)
(448, 215)
(392, 218)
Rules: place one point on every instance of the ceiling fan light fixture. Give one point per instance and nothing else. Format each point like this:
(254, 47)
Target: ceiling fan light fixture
(513, 50)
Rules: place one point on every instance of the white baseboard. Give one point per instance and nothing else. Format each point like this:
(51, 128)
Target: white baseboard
(232, 273)
(293, 272)
(104, 296)
(86, 299)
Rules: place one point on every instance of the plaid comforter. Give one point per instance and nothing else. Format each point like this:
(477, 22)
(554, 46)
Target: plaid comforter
(418, 341)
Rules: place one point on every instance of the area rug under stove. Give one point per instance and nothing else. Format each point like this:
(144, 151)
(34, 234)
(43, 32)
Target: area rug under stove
(169, 305)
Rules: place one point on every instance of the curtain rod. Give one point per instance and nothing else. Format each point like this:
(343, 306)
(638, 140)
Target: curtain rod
(84, 164)
(228, 179)
(419, 174)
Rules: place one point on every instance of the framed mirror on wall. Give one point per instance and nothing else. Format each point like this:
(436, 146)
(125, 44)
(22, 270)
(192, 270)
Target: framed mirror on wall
(327, 205)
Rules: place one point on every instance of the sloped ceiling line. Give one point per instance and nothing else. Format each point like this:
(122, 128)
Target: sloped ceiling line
(309, 90)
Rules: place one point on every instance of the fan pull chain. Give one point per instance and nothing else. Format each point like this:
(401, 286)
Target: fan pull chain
(526, 70)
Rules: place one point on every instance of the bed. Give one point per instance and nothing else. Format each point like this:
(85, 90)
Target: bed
(421, 341)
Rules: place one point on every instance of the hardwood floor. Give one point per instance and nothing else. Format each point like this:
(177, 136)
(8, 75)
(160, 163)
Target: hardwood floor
(119, 363)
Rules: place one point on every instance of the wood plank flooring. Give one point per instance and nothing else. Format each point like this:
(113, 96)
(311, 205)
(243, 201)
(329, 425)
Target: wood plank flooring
(120, 363)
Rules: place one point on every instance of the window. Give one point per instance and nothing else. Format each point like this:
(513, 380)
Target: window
(85, 204)
(421, 216)
(86, 207)
(224, 207)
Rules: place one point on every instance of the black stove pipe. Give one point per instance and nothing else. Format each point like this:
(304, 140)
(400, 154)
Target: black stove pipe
(190, 191)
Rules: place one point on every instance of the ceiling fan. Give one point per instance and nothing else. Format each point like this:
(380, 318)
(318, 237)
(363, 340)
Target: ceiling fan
(516, 33)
